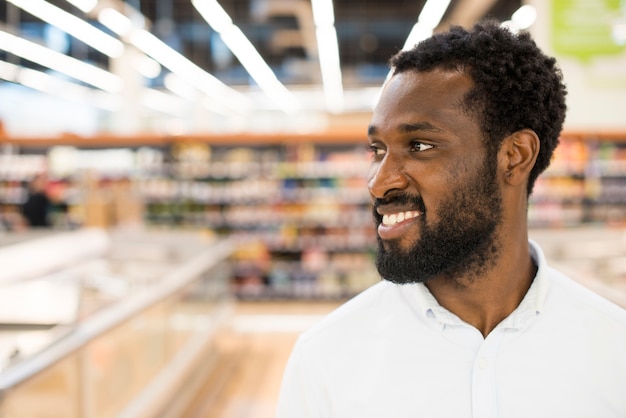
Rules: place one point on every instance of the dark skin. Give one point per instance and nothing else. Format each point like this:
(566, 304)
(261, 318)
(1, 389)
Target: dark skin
(425, 144)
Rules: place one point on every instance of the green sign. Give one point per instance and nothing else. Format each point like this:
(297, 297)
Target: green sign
(583, 28)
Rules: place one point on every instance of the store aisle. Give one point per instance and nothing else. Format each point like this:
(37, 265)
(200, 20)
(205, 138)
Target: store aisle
(252, 351)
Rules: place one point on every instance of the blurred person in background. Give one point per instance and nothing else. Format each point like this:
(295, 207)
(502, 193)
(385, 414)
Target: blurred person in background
(470, 320)
(36, 209)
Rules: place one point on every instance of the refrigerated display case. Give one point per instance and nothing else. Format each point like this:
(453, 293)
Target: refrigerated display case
(109, 323)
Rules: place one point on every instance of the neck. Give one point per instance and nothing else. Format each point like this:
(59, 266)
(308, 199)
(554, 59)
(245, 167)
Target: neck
(485, 301)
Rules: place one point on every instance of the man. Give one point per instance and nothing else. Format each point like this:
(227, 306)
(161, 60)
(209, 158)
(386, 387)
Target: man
(37, 204)
(469, 320)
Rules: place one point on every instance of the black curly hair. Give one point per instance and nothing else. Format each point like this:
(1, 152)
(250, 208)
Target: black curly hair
(516, 86)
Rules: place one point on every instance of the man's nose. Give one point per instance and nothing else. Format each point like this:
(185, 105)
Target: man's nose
(385, 176)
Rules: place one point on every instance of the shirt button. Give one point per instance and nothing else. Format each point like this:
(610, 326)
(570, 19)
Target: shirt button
(483, 363)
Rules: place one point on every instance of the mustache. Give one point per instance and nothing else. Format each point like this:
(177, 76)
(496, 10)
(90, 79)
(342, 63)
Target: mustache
(400, 199)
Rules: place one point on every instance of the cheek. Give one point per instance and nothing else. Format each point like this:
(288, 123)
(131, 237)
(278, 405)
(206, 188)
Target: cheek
(441, 191)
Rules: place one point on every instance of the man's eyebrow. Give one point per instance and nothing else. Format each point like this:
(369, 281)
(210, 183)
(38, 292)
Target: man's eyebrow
(418, 126)
(406, 128)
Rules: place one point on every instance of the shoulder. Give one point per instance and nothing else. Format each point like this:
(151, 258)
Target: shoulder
(369, 313)
(584, 304)
(356, 310)
(328, 360)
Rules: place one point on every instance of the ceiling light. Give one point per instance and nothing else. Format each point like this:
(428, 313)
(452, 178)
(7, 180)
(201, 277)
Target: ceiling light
(85, 6)
(178, 86)
(8, 71)
(146, 66)
(38, 80)
(72, 25)
(246, 53)
(331, 68)
(89, 34)
(173, 60)
(183, 89)
(116, 21)
(328, 47)
(163, 102)
(427, 21)
(57, 61)
(214, 14)
(258, 69)
(55, 86)
(177, 63)
(211, 106)
(323, 13)
(524, 17)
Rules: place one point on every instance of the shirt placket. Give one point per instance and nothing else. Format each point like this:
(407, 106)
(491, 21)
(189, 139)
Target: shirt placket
(484, 389)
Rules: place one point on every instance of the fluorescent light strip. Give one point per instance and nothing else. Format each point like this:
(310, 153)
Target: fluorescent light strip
(85, 6)
(116, 21)
(246, 53)
(427, 21)
(8, 71)
(183, 89)
(323, 12)
(55, 86)
(38, 80)
(174, 61)
(177, 63)
(523, 18)
(179, 87)
(71, 24)
(328, 47)
(258, 69)
(77, 69)
(163, 102)
(146, 66)
(331, 69)
(214, 14)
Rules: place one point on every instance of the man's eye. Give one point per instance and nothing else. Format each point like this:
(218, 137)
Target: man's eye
(376, 151)
(420, 146)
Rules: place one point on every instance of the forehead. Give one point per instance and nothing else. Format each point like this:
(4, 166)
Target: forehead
(435, 97)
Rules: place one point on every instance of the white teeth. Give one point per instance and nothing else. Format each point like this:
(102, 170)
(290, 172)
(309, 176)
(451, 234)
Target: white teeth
(394, 218)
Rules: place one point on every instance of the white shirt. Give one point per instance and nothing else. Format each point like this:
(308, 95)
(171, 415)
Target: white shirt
(394, 352)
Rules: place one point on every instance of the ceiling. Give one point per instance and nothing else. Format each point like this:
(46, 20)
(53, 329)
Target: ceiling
(282, 31)
(368, 32)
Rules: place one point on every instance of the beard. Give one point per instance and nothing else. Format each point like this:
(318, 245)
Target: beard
(461, 243)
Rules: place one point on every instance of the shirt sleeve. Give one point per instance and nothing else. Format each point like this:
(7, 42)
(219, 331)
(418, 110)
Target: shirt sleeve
(302, 393)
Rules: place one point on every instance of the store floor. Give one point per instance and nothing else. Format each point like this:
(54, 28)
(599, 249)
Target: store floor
(252, 350)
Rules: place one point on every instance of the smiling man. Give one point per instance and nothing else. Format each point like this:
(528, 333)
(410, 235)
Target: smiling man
(469, 319)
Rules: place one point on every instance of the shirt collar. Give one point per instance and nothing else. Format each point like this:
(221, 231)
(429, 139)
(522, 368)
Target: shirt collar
(530, 306)
(428, 306)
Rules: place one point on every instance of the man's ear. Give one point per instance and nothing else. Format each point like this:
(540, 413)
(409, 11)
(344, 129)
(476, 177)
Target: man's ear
(518, 155)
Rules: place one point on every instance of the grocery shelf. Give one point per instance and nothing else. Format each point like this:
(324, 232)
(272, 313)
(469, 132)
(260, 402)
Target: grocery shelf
(285, 197)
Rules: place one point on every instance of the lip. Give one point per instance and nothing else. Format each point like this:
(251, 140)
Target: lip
(397, 230)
